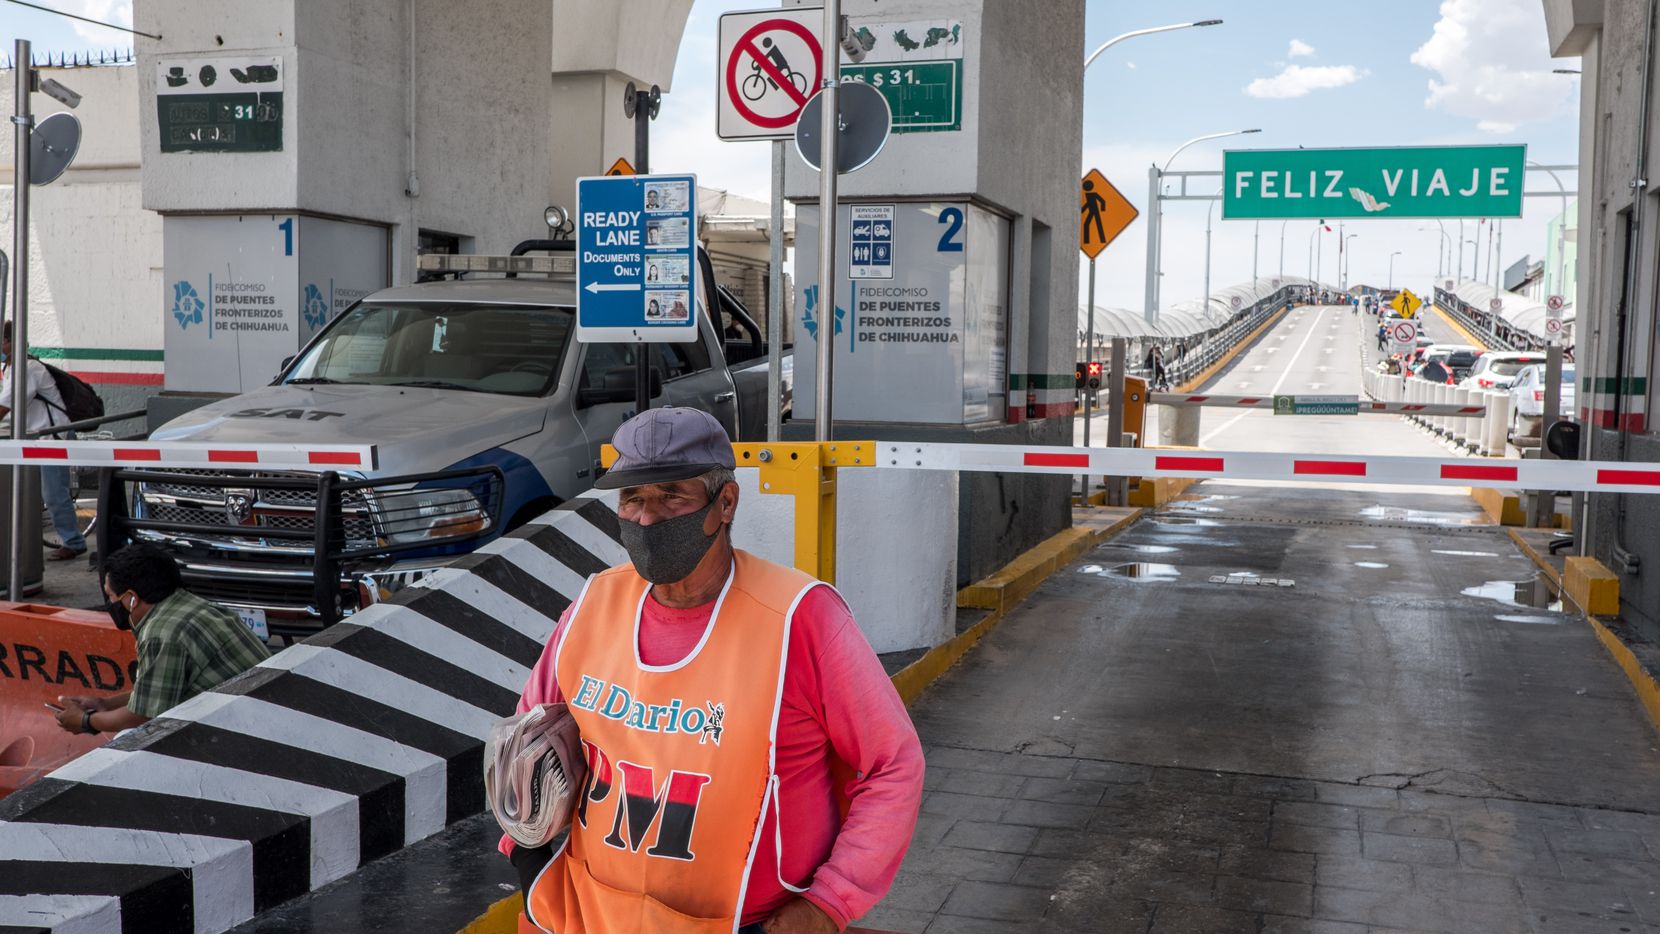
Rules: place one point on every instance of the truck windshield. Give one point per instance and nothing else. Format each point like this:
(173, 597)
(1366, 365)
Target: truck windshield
(508, 349)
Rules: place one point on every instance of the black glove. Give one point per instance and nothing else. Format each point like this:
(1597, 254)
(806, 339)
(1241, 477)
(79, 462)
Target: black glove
(530, 861)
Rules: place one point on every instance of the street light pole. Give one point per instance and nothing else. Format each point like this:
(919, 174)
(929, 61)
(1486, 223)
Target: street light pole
(1392, 269)
(1282, 249)
(1144, 32)
(1343, 262)
(1115, 418)
(1154, 231)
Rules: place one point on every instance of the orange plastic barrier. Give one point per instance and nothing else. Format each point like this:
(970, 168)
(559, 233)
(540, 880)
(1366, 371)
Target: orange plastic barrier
(47, 651)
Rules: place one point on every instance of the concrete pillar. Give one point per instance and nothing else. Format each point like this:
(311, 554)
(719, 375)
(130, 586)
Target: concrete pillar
(1179, 425)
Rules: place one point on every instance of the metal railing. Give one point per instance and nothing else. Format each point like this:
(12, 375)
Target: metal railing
(274, 531)
(1488, 327)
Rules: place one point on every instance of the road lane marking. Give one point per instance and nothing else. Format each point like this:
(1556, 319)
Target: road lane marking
(1284, 374)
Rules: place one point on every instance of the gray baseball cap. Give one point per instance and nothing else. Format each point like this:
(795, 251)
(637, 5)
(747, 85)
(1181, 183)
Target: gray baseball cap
(667, 444)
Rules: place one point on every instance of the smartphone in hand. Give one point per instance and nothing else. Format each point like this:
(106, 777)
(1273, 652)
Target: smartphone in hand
(54, 707)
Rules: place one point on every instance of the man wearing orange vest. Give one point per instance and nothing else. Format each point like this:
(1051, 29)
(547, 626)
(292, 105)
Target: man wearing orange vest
(750, 766)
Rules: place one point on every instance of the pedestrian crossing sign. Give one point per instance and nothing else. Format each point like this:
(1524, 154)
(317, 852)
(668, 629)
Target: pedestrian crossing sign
(1406, 304)
(1103, 213)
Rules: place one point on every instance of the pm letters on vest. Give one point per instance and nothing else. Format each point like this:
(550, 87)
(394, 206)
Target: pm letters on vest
(641, 802)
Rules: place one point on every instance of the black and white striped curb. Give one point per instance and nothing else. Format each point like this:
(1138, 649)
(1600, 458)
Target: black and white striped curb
(336, 751)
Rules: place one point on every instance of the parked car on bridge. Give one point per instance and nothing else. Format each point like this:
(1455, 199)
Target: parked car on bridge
(1527, 400)
(1498, 369)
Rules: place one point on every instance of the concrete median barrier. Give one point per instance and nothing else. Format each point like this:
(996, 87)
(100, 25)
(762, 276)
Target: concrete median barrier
(332, 753)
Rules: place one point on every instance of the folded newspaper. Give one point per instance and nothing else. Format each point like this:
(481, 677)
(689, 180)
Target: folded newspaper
(533, 771)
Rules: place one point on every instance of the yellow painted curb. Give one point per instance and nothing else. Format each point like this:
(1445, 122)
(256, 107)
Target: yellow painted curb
(1453, 323)
(1642, 681)
(1001, 591)
(1502, 507)
(500, 918)
(1592, 587)
(1648, 690)
(1227, 358)
(1156, 491)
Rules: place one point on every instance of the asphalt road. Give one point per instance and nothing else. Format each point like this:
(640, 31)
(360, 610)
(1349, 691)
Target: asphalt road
(1289, 708)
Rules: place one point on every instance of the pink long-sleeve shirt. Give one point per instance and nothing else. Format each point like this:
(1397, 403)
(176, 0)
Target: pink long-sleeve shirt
(838, 704)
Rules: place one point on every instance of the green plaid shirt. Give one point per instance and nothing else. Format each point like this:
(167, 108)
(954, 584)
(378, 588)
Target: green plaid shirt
(187, 645)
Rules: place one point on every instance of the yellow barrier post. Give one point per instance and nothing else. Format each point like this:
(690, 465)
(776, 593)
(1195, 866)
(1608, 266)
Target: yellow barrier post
(805, 470)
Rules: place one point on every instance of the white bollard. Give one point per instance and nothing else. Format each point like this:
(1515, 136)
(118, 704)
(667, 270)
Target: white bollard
(1443, 425)
(1494, 423)
(1469, 427)
(1498, 423)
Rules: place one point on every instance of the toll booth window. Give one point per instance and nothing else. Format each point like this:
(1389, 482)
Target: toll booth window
(505, 349)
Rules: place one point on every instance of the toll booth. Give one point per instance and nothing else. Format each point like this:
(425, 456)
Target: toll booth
(957, 254)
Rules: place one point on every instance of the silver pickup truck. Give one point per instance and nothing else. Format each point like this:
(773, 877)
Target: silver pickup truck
(485, 413)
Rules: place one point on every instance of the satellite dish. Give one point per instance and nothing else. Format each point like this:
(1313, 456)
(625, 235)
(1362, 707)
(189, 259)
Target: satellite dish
(865, 122)
(52, 146)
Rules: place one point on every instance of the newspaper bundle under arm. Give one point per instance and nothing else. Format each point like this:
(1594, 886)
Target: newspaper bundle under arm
(533, 771)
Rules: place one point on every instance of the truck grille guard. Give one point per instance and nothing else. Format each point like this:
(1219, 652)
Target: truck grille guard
(274, 521)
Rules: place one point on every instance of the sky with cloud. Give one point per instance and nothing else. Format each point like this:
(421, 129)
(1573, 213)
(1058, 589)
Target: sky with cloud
(1306, 72)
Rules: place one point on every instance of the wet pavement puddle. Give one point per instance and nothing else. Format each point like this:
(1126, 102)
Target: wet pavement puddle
(1135, 570)
(1364, 547)
(1463, 554)
(1185, 520)
(1370, 564)
(1143, 549)
(1533, 593)
(1422, 516)
(1530, 620)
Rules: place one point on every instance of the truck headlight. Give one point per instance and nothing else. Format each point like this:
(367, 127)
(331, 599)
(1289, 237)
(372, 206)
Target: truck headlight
(424, 515)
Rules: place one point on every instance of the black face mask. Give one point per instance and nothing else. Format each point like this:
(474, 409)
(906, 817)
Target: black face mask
(118, 612)
(668, 551)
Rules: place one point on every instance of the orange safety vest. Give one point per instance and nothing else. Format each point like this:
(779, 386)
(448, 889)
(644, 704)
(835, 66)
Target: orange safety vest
(680, 758)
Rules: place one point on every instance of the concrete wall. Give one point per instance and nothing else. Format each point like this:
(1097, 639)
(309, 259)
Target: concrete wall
(1023, 75)
(480, 117)
(1615, 333)
(95, 285)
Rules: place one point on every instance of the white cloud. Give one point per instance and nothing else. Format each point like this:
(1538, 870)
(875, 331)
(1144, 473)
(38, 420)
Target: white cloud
(1298, 48)
(119, 12)
(1297, 80)
(1130, 65)
(1492, 64)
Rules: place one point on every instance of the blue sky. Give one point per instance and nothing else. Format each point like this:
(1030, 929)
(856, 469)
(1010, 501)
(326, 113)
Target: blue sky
(1369, 71)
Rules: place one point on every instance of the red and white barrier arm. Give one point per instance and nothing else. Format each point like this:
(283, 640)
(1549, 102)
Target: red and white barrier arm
(164, 454)
(1588, 476)
(1267, 402)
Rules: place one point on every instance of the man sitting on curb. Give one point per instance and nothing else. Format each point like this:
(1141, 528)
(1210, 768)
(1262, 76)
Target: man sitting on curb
(186, 645)
(749, 760)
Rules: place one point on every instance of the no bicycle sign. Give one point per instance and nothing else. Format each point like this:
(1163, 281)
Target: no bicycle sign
(770, 63)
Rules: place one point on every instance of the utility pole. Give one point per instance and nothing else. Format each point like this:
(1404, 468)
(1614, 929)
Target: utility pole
(830, 137)
(642, 107)
(23, 72)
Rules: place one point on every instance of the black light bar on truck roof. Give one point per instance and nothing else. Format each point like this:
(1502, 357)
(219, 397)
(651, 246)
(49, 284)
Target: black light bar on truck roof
(549, 265)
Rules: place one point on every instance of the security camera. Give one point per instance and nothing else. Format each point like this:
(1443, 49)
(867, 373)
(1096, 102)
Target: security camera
(59, 93)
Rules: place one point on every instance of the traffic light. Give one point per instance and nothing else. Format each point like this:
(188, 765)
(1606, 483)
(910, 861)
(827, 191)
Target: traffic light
(1078, 377)
(1094, 372)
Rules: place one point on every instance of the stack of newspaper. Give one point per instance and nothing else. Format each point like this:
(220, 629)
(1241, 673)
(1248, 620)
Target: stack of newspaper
(533, 770)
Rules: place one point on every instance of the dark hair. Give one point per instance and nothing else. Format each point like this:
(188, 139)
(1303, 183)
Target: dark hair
(145, 570)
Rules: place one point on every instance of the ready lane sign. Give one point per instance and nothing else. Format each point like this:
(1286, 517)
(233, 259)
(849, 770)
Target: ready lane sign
(1316, 405)
(636, 270)
(1401, 181)
(870, 241)
(1103, 213)
(770, 63)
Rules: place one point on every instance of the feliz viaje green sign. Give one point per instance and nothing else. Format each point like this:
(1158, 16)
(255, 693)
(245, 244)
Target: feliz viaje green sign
(1404, 181)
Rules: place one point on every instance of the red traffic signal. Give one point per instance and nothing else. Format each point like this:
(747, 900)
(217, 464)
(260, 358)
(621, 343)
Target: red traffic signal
(1094, 374)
